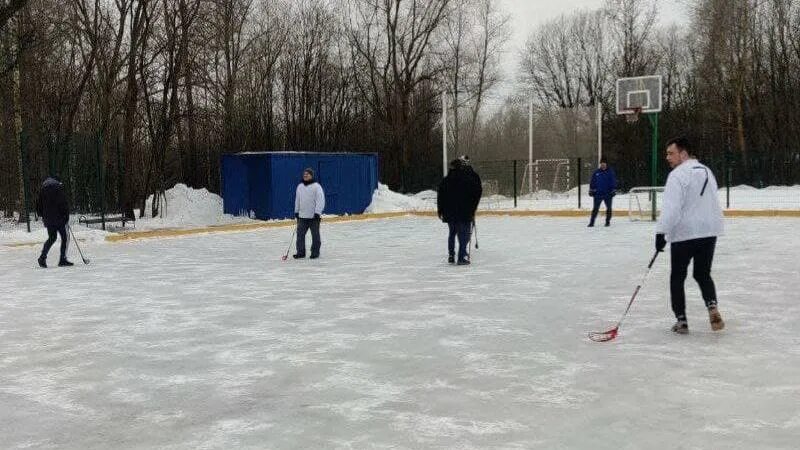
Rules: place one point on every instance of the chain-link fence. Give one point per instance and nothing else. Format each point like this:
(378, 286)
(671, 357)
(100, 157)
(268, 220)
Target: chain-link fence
(89, 166)
(563, 183)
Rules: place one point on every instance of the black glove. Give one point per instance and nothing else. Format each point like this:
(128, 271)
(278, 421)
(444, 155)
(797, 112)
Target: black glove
(591, 192)
(317, 217)
(661, 242)
(297, 215)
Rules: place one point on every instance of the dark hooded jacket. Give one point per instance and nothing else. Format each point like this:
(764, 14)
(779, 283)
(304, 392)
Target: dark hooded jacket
(53, 206)
(459, 195)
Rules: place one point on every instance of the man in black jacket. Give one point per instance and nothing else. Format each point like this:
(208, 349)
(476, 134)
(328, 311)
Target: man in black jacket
(53, 207)
(458, 198)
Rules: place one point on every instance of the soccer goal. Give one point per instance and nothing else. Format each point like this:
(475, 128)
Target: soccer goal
(641, 200)
(546, 176)
(491, 194)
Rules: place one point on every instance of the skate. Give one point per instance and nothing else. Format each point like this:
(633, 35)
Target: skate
(65, 263)
(681, 327)
(42, 262)
(715, 318)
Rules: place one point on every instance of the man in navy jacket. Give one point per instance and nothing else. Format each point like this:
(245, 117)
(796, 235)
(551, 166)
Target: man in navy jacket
(457, 200)
(53, 208)
(603, 188)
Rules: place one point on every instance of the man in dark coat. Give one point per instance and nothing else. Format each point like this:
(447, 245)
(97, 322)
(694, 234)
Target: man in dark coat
(458, 198)
(53, 208)
(603, 188)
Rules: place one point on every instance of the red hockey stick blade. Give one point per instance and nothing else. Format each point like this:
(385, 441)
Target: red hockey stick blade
(604, 336)
(284, 257)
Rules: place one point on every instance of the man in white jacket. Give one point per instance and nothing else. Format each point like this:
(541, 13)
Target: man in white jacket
(691, 220)
(309, 202)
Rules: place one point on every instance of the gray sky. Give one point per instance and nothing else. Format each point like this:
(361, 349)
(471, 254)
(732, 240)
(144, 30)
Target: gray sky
(527, 14)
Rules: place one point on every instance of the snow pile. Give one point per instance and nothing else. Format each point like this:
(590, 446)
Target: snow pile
(385, 200)
(187, 207)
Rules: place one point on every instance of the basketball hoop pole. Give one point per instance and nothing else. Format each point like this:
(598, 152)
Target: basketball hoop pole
(654, 165)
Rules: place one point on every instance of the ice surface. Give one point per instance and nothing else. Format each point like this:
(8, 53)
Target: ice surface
(211, 341)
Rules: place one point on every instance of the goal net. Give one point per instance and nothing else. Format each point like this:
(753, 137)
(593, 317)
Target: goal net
(546, 176)
(641, 203)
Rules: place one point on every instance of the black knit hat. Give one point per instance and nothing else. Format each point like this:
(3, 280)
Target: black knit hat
(309, 171)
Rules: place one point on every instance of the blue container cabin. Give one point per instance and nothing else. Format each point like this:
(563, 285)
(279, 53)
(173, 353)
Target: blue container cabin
(262, 185)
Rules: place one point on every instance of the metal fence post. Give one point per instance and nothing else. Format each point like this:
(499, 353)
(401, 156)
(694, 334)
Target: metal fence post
(579, 183)
(23, 144)
(728, 171)
(515, 184)
(100, 181)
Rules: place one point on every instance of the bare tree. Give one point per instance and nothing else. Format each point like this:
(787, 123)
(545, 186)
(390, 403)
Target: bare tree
(390, 41)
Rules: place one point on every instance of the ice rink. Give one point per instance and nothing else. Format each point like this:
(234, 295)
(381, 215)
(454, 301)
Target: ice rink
(211, 341)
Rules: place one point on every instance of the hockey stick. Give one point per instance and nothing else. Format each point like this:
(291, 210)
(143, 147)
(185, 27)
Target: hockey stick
(289, 248)
(85, 260)
(605, 336)
(475, 230)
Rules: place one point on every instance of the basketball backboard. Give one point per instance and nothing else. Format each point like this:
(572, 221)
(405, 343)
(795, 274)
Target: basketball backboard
(639, 95)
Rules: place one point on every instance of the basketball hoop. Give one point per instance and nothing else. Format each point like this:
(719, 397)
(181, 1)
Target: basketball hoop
(632, 115)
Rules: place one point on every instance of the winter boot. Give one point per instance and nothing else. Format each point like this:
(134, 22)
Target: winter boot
(680, 327)
(313, 256)
(590, 225)
(65, 263)
(451, 259)
(43, 262)
(715, 318)
(298, 256)
(463, 262)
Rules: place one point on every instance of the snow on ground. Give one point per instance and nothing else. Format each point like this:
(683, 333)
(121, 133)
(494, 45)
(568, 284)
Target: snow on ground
(742, 198)
(12, 232)
(185, 208)
(211, 341)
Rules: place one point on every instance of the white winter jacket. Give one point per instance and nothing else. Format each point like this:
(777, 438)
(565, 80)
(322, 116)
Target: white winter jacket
(691, 207)
(309, 200)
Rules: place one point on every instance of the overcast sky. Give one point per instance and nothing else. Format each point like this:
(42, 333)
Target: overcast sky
(526, 14)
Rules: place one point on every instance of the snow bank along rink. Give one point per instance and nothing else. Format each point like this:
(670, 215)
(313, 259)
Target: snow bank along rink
(210, 341)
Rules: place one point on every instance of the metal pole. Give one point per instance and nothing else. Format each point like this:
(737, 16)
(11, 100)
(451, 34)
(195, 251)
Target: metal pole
(530, 145)
(599, 131)
(654, 175)
(444, 134)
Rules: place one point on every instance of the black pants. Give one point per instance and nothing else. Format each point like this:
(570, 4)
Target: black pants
(597, 201)
(303, 225)
(702, 252)
(51, 239)
(462, 230)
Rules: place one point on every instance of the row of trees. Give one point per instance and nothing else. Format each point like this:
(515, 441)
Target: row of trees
(127, 97)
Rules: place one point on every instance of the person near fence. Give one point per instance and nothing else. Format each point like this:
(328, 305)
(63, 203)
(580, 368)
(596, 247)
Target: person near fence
(53, 208)
(691, 221)
(457, 200)
(602, 189)
(309, 203)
